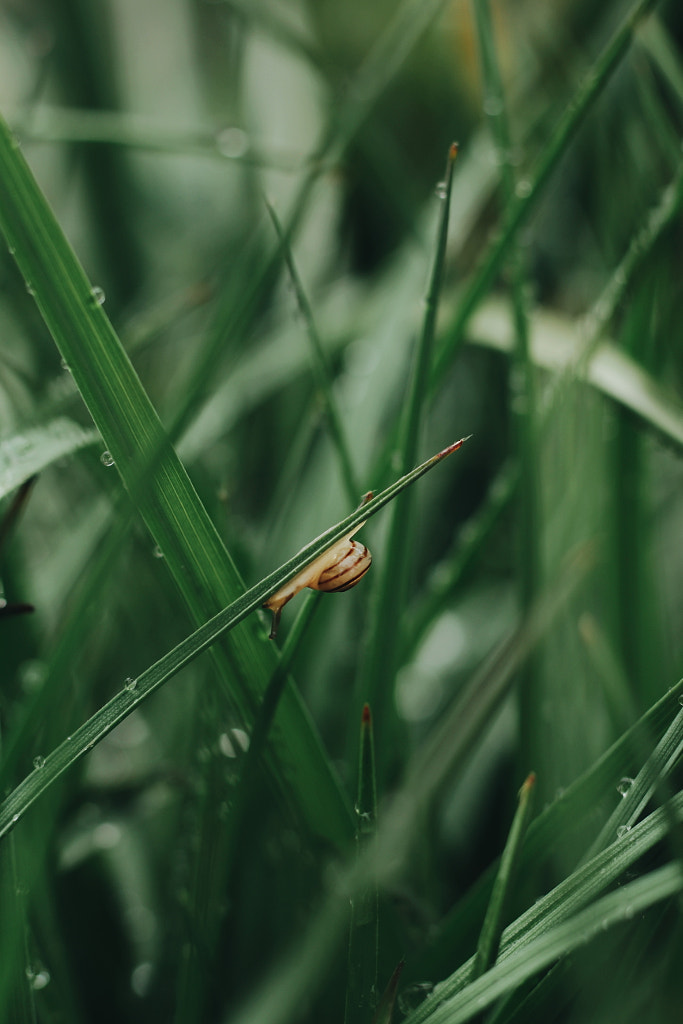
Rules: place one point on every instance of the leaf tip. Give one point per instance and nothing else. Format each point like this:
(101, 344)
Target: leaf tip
(452, 447)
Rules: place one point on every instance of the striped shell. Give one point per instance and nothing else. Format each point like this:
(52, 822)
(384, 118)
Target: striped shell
(339, 568)
(346, 572)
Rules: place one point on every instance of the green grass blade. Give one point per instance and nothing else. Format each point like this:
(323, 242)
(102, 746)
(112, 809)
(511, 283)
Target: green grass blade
(579, 890)
(138, 689)
(636, 793)
(518, 213)
(361, 991)
(574, 893)
(27, 453)
(321, 368)
(616, 908)
(385, 1010)
(16, 997)
(558, 823)
(522, 384)
(489, 939)
(557, 345)
(467, 547)
(166, 499)
(304, 970)
(220, 840)
(379, 667)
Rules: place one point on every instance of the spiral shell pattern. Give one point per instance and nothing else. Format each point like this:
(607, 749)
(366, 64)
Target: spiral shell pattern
(346, 572)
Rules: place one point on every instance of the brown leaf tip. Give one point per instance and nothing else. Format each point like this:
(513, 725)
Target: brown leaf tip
(452, 447)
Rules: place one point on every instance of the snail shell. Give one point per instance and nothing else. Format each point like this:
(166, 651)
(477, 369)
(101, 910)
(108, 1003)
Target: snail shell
(339, 568)
(347, 571)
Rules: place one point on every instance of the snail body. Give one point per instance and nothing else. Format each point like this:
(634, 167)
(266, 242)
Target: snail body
(339, 568)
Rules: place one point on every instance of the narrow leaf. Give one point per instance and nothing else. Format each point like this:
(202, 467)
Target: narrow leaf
(137, 690)
(492, 928)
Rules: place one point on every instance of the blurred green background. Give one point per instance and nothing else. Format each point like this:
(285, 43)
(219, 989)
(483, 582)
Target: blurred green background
(157, 129)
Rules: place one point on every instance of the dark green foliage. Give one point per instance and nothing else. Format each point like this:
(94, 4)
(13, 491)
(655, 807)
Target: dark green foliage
(205, 396)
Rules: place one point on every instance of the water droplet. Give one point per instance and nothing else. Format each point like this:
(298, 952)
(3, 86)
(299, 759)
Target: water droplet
(624, 785)
(623, 830)
(30, 289)
(523, 188)
(65, 365)
(157, 552)
(15, 819)
(680, 700)
(441, 190)
(107, 459)
(493, 106)
(140, 979)
(38, 977)
(130, 684)
(11, 250)
(232, 142)
(33, 674)
(97, 295)
(38, 761)
(413, 995)
(226, 746)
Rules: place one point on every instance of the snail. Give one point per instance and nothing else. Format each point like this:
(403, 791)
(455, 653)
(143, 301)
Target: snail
(339, 568)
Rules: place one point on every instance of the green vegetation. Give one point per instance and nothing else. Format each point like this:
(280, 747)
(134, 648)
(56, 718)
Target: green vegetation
(237, 292)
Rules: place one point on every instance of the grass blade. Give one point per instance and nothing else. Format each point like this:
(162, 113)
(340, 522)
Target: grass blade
(321, 368)
(165, 497)
(27, 453)
(379, 667)
(556, 825)
(519, 212)
(489, 939)
(616, 908)
(361, 991)
(137, 690)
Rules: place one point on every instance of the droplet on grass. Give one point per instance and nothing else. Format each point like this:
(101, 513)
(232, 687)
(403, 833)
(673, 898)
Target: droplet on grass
(97, 295)
(232, 142)
(107, 459)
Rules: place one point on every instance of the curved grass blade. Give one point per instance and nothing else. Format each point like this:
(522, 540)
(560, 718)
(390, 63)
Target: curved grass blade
(137, 690)
(552, 828)
(556, 345)
(616, 908)
(161, 489)
(571, 896)
(25, 454)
